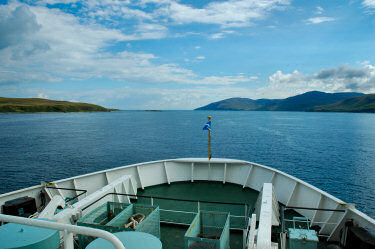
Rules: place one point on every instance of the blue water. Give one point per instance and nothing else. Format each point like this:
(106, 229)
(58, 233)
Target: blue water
(333, 151)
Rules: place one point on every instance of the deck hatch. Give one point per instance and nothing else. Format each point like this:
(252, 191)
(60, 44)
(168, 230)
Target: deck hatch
(209, 230)
(113, 216)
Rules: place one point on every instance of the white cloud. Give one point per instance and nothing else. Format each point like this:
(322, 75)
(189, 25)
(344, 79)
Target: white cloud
(42, 96)
(113, 10)
(217, 36)
(197, 47)
(16, 26)
(53, 46)
(232, 13)
(201, 57)
(339, 79)
(164, 13)
(56, 1)
(364, 63)
(150, 31)
(317, 20)
(369, 4)
(221, 34)
(114, 13)
(319, 10)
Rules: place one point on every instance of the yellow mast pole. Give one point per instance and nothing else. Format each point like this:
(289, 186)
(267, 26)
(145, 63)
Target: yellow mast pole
(209, 140)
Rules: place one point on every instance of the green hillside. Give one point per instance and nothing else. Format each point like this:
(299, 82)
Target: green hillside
(301, 102)
(233, 104)
(30, 105)
(364, 103)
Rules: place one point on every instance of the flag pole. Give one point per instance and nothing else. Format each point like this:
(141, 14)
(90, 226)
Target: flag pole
(209, 140)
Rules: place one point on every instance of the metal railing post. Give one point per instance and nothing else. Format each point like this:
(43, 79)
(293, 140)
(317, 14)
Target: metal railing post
(68, 240)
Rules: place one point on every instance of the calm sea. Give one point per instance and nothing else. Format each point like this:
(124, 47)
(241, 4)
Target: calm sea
(333, 151)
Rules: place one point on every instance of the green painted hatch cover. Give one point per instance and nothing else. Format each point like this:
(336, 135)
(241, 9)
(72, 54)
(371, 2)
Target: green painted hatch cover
(130, 240)
(17, 236)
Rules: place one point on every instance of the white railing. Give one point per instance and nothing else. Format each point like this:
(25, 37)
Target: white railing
(251, 233)
(67, 229)
(269, 216)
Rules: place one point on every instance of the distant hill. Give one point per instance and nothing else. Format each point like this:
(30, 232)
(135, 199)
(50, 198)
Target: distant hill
(308, 100)
(239, 104)
(365, 103)
(302, 102)
(29, 105)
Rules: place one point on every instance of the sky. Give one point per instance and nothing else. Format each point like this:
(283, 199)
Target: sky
(180, 55)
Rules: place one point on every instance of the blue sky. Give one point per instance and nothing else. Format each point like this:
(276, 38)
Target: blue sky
(170, 54)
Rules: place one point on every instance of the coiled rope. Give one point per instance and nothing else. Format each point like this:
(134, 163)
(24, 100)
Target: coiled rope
(134, 220)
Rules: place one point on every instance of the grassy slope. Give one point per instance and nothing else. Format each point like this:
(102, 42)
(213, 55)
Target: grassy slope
(308, 100)
(44, 105)
(364, 103)
(231, 104)
(301, 102)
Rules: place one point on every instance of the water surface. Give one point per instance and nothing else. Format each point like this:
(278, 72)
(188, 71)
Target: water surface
(333, 151)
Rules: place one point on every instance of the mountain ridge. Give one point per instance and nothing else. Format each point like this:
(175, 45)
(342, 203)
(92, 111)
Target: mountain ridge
(302, 102)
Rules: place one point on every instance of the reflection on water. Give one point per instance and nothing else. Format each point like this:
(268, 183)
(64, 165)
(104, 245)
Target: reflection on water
(333, 151)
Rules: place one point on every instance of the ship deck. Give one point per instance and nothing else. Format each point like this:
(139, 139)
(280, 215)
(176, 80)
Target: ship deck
(172, 235)
(187, 186)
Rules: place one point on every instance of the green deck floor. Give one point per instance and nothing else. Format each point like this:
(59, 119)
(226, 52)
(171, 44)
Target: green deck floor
(172, 236)
(201, 190)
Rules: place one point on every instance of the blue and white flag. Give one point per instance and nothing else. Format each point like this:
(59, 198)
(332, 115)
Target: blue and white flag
(207, 126)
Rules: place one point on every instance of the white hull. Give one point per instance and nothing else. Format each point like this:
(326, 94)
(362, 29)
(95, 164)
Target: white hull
(289, 190)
